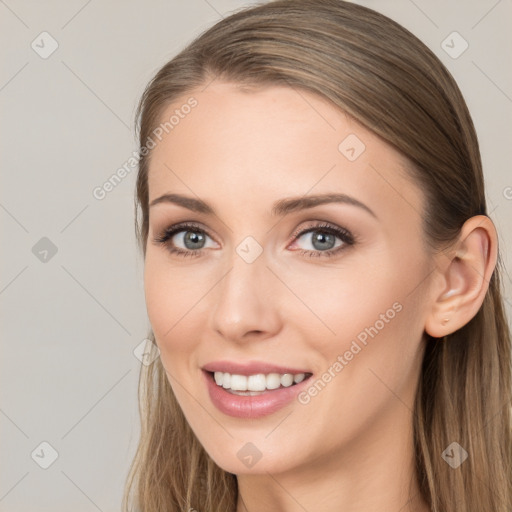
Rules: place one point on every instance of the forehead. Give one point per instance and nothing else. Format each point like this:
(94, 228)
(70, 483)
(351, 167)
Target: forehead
(267, 143)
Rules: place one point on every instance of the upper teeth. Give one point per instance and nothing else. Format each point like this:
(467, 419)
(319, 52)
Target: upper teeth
(258, 382)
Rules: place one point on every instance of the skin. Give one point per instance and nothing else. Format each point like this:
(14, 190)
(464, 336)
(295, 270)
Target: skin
(240, 151)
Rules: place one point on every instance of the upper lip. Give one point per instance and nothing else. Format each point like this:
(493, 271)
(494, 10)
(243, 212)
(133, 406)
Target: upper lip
(249, 368)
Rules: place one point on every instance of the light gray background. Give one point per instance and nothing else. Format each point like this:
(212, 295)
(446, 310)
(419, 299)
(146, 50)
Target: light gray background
(70, 323)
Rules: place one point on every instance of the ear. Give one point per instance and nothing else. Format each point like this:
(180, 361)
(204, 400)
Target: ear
(463, 277)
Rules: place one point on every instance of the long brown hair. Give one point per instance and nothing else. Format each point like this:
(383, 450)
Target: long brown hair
(380, 74)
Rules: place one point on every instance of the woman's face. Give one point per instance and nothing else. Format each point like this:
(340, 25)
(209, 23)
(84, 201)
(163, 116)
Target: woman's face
(304, 262)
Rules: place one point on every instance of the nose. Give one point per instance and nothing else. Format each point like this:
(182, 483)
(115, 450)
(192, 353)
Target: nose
(247, 302)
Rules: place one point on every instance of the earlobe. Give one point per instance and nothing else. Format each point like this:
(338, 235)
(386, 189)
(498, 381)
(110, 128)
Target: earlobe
(464, 275)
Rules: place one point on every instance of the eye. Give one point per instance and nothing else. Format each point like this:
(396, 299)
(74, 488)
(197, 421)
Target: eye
(190, 237)
(321, 240)
(324, 240)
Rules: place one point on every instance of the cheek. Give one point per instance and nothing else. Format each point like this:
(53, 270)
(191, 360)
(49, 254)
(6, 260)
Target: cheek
(371, 320)
(349, 299)
(173, 301)
(378, 326)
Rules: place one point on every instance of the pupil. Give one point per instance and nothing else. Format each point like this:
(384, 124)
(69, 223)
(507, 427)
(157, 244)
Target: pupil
(323, 238)
(193, 238)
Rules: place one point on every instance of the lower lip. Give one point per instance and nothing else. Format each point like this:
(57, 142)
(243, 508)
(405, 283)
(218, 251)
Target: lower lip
(256, 406)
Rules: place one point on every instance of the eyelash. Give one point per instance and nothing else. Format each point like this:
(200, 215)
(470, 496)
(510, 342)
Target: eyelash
(346, 237)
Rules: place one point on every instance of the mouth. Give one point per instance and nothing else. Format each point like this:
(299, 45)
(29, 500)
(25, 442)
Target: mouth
(256, 384)
(253, 390)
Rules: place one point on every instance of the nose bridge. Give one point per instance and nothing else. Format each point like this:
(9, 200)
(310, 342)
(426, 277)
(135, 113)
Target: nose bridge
(245, 297)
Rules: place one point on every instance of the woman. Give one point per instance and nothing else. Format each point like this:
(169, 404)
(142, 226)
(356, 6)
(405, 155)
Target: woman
(321, 275)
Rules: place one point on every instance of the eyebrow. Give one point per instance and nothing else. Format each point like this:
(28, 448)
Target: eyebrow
(279, 208)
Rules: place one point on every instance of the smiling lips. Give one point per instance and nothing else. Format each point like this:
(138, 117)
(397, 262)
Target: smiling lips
(252, 390)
